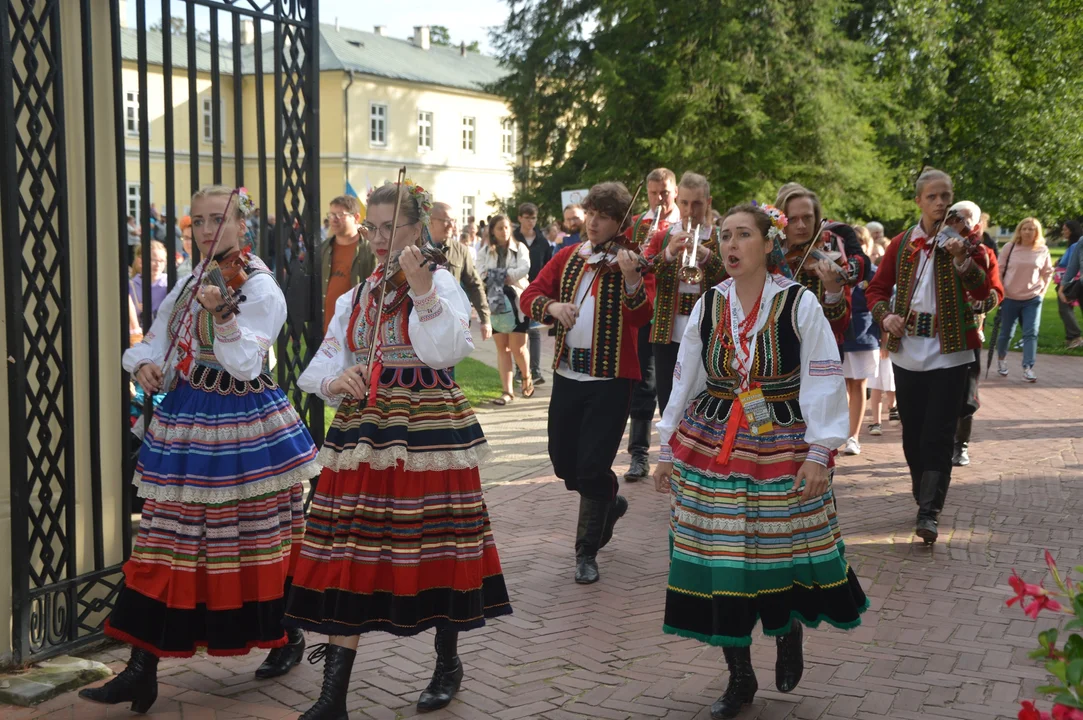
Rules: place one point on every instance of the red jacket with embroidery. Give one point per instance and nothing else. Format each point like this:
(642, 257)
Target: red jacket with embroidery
(957, 326)
(617, 315)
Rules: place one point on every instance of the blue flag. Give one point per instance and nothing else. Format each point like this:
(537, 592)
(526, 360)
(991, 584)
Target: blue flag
(350, 190)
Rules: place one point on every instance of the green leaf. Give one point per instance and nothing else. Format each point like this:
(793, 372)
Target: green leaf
(1047, 638)
(1077, 605)
(1074, 647)
(1074, 625)
(1069, 700)
(1051, 689)
(1058, 669)
(1039, 653)
(1075, 672)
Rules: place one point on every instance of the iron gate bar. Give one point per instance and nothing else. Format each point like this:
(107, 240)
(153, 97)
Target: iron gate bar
(93, 324)
(127, 464)
(238, 107)
(216, 101)
(170, 147)
(193, 113)
(261, 146)
(144, 164)
(278, 17)
(314, 210)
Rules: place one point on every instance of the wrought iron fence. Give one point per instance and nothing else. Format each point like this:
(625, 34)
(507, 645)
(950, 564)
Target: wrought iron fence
(221, 48)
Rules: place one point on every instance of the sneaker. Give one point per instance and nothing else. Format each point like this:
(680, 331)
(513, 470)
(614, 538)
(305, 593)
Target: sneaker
(1028, 374)
(853, 447)
(1077, 343)
(893, 414)
(1002, 367)
(539, 380)
(875, 430)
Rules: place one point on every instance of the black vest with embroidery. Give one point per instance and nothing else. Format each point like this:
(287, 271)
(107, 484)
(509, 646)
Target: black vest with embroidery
(776, 367)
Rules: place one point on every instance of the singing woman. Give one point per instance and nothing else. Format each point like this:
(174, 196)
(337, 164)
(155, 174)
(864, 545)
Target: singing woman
(220, 471)
(758, 403)
(398, 537)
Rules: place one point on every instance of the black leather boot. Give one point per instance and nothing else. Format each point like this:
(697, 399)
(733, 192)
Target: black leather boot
(742, 686)
(337, 665)
(137, 684)
(962, 442)
(927, 514)
(790, 661)
(617, 508)
(283, 659)
(639, 445)
(592, 517)
(448, 675)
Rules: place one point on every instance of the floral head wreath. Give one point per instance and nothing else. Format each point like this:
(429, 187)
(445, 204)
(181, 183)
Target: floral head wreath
(421, 196)
(777, 234)
(244, 202)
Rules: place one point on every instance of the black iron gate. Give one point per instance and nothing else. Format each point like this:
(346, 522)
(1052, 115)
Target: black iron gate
(222, 48)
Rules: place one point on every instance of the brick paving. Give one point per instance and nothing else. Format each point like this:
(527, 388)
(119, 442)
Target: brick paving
(936, 643)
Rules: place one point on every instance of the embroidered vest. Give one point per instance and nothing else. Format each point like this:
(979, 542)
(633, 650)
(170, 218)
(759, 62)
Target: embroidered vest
(396, 349)
(667, 287)
(608, 320)
(776, 366)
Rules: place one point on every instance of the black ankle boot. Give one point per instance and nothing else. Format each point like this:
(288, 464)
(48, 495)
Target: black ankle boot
(639, 444)
(617, 508)
(926, 528)
(137, 683)
(961, 456)
(742, 686)
(337, 665)
(283, 659)
(448, 675)
(790, 662)
(592, 520)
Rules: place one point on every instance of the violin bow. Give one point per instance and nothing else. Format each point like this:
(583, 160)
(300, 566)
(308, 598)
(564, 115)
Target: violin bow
(197, 280)
(812, 244)
(401, 182)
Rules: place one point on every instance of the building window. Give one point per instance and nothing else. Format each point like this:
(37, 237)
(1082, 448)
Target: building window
(208, 122)
(131, 112)
(424, 130)
(377, 124)
(469, 133)
(468, 211)
(507, 136)
(133, 200)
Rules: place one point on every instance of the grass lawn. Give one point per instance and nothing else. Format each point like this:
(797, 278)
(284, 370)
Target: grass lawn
(479, 382)
(1051, 330)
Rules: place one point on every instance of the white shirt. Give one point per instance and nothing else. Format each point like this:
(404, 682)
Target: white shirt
(681, 321)
(582, 333)
(442, 340)
(241, 343)
(822, 395)
(674, 215)
(918, 354)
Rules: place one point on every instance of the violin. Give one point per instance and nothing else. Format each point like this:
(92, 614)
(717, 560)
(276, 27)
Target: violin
(433, 257)
(227, 272)
(816, 249)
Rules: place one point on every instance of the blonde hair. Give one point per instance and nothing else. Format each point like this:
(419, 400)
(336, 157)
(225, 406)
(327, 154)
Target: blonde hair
(209, 191)
(865, 237)
(928, 174)
(1039, 238)
(662, 175)
(792, 191)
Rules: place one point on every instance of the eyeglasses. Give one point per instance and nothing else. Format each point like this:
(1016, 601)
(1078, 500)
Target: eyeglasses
(443, 221)
(336, 215)
(382, 231)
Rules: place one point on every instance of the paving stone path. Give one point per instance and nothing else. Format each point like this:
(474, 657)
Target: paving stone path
(938, 641)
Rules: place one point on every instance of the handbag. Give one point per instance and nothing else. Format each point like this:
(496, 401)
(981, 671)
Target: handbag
(1072, 290)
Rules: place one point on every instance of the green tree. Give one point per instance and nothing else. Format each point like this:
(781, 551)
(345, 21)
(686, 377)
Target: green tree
(440, 35)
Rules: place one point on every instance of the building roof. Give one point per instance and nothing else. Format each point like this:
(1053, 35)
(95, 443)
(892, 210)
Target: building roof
(340, 49)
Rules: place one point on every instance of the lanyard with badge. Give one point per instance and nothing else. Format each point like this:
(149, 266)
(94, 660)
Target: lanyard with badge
(754, 413)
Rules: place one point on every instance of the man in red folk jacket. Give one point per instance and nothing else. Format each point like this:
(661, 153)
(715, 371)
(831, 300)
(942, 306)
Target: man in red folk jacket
(598, 300)
(931, 334)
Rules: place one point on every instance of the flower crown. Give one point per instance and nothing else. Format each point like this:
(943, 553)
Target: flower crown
(244, 202)
(421, 196)
(779, 221)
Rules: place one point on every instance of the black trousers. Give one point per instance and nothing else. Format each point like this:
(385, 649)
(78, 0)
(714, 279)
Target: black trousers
(929, 405)
(970, 390)
(1067, 316)
(586, 424)
(665, 360)
(643, 395)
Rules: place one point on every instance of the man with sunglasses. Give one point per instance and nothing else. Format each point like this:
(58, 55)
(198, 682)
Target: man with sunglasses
(347, 257)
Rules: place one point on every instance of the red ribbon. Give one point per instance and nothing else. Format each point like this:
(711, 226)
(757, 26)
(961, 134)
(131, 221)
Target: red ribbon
(374, 382)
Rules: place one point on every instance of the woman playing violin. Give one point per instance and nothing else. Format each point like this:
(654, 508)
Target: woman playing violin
(398, 536)
(802, 207)
(220, 471)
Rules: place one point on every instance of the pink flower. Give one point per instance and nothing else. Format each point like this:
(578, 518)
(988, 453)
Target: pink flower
(1063, 712)
(1030, 712)
(1024, 590)
(1049, 561)
(1043, 602)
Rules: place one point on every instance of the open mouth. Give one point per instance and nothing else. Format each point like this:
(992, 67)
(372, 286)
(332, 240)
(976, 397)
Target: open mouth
(732, 261)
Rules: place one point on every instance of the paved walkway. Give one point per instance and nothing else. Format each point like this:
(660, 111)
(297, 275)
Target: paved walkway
(937, 642)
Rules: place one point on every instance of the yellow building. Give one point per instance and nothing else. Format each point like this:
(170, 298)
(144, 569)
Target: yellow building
(384, 103)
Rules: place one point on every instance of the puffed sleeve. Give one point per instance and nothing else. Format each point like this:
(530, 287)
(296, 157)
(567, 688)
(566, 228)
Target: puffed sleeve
(823, 391)
(155, 343)
(241, 343)
(689, 380)
(440, 323)
(334, 356)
